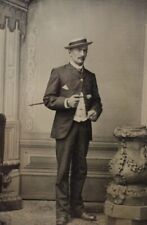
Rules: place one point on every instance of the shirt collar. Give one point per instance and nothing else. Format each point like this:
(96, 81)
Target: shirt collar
(79, 68)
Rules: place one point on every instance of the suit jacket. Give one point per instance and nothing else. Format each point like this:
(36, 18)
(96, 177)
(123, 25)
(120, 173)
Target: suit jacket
(63, 83)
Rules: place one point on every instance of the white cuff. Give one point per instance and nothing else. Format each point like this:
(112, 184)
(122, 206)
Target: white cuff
(66, 104)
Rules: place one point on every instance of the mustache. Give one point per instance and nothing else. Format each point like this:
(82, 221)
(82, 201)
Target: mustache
(81, 57)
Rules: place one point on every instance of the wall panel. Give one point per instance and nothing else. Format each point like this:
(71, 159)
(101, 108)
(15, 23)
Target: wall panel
(38, 170)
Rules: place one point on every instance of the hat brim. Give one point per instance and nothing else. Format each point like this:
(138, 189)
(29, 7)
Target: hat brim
(78, 45)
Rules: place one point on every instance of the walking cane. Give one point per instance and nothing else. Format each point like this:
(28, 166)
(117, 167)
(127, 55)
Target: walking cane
(37, 103)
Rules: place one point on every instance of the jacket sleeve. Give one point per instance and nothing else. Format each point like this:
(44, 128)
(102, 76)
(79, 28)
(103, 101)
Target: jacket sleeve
(96, 100)
(51, 98)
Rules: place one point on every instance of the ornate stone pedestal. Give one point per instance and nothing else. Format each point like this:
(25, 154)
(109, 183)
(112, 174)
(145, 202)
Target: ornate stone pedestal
(8, 198)
(126, 202)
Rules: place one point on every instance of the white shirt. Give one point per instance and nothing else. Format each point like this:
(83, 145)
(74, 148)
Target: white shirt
(80, 114)
(79, 68)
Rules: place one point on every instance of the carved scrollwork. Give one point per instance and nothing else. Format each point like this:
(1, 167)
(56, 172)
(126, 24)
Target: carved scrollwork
(121, 194)
(131, 132)
(134, 166)
(129, 168)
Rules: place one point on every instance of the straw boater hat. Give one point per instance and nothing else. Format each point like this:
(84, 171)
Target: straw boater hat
(78, 42)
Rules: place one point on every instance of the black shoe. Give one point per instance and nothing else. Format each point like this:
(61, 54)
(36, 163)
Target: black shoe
(63, 220)
(61, 223)
(85, 216)
(2, 223)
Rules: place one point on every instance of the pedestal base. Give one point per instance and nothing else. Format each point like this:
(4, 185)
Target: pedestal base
(9, 201)
(125, 215)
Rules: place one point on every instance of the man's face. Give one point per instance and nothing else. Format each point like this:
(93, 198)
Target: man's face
(78, 54)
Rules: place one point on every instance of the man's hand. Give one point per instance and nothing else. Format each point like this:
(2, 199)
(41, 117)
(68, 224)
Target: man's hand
(92, 115)
(73, 101)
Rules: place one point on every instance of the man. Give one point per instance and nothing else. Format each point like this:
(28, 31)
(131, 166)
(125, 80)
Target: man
(72, 91)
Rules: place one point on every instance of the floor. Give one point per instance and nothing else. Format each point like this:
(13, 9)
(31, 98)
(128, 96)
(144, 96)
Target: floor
(41, 213)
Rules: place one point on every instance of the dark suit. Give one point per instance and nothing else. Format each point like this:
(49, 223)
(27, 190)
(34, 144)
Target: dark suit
(72, 138)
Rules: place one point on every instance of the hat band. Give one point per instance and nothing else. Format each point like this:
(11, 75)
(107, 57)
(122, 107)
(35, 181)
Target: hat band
(84, 41)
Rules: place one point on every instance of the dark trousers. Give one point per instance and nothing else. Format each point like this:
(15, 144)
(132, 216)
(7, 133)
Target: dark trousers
(71, 159)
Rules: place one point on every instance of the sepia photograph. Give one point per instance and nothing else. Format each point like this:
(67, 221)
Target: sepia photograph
(73, 112)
